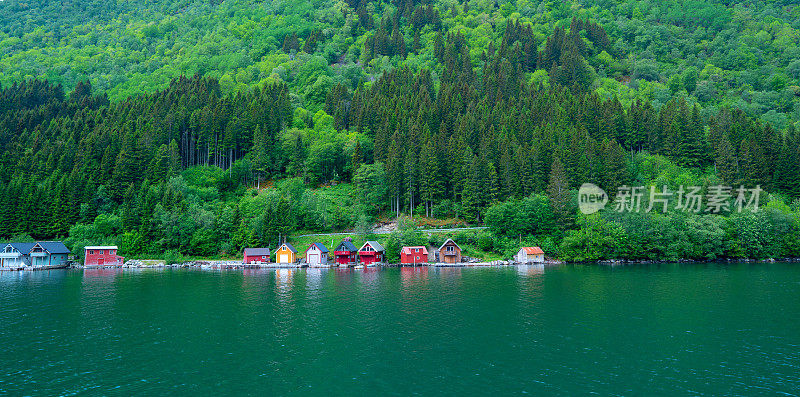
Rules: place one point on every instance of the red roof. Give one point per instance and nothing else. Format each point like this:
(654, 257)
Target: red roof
(407, 250)
(533, 250)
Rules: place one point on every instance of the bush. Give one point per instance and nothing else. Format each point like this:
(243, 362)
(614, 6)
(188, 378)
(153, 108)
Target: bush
(172, 257)
(485, 242)
(444, 209)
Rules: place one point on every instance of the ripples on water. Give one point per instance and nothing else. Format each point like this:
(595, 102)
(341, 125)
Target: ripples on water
(660, 329)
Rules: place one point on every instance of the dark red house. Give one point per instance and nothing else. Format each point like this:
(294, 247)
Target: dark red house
(371, 253)
(256, 255)
(414, 255)
(345, 253)
(102, 256)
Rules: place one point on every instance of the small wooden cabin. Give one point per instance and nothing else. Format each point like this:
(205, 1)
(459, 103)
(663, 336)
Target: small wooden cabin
(449, 252)
(102, 256)
(414, 255)
(286, 254)
(256, 255)
(371, 253)
(529, 255)
(317, 255)
(345, 253)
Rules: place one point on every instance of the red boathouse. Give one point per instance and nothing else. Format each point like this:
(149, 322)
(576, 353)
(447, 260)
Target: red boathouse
(101, 256)
(256, 255)
(345, 253)
(414, 255)
(371, 253)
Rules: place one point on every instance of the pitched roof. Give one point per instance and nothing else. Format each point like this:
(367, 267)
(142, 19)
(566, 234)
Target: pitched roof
(374, 244)
(54, 247)
(100, 247)
(256, 252)
(449, 241)
(24, 248)
(289, 247)
(533, 250)
(346, 245)
(407, 250)
(320, 247)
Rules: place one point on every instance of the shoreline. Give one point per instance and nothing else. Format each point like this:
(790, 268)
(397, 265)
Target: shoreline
(235, 265)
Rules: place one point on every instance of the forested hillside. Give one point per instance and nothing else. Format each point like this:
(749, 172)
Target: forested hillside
(206, 127)
(743, 54)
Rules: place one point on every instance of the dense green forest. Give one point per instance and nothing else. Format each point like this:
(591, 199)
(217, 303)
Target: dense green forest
(202, 128)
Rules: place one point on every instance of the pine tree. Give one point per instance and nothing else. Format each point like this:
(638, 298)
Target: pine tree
(726, 161)
(261, 158)
(614, 166)
(356, 159)
(410, 179)
(471, 195)
(430, 178)
(559, 194)
(692, 149)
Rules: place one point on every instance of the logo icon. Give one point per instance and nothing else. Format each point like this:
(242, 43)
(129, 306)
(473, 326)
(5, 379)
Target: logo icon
(591, 198)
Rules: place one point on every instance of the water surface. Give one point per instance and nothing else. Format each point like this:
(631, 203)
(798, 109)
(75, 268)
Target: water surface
(705, 329)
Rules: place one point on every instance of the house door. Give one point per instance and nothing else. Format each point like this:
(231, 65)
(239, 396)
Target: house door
(100, 261)
(313, 258)
(284, 259)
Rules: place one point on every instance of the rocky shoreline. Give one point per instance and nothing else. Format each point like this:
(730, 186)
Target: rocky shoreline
(213, 264)
(659, 261)
(232, 265)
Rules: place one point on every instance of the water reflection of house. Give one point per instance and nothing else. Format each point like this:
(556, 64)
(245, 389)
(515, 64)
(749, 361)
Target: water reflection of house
(314, 278)
(530, 270)
(413, 275)
(284, 276)
(100, 274)
(449, 272)
(370, 276)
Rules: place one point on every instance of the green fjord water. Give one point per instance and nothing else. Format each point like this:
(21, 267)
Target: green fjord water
(631, 330)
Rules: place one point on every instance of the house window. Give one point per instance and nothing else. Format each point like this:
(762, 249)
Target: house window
(102, 252)
(111, 252)
(91, 252)
(263, 257)
(449, 248)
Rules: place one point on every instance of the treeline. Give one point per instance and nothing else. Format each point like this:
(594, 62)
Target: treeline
(482, 137)
(62, 157)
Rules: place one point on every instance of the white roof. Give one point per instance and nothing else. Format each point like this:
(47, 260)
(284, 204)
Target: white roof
(447, 241)
(101, 247)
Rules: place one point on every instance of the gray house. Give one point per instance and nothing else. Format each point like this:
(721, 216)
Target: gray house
(39, 255)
